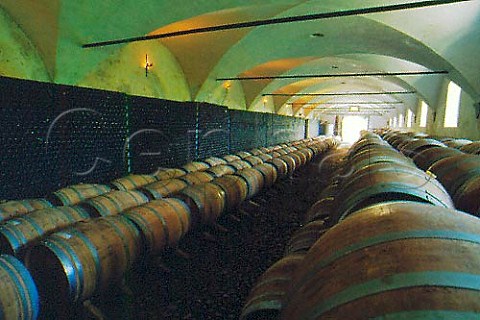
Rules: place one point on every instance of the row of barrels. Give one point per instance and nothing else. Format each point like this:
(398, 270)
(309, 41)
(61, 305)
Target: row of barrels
(75, 251)
(393, 246)
(17, 231)
(456, 168)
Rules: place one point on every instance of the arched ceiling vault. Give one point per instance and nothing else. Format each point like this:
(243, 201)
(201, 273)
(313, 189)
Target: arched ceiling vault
(444, 37)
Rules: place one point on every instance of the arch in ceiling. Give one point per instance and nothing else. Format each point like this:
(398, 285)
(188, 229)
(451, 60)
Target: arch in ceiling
(155, 17)
(338, 85)
(356, 35)
(426, 86)
(18, 56)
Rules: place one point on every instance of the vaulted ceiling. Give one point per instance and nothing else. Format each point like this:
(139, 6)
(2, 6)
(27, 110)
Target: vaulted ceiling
(42, 40)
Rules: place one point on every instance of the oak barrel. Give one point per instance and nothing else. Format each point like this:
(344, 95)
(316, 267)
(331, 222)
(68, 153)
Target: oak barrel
(206, 202)
(235, 188)
(73, 264)
(254, 180)
(17, 233)
(172, 173)
(132, 182)
(114, 202)
(269, 173)
(221, 170)
(18, 293)
(381, 182)
(77, 193)
(162, 223)
(17, 208)
(164, 188)
(428, 157)
(195, 166)
(266, 299)
(399, 260)
(194, 178)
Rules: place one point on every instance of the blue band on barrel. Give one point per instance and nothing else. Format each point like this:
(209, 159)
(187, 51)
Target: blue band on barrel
(94, 252)
(393, 236)
(29, 296)
(457, 280)
(71, 266)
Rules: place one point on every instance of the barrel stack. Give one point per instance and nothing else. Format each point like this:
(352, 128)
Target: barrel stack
(81, 240)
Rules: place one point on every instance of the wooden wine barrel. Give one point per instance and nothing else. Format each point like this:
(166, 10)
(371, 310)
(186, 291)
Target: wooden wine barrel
(321, 210)
(399, 260)
(276, 154)
(399, 141)
(371, 156)
(308, 153)
(206, 202)
(365, 143)
(414, 147)
(330, 162)
(195, 166)
(231, 157)
(382, 182)
(291, 163)
(15, 208)
(456, 143)
(166, 174)
(77, 193)
(164, 188)
(18, 293)
(254, 179)
(253, 160)
(214, 161)
(452, 172)
(300, 158)
(400, 145)
(197, 178)
(428, 157)
(132, 182)
(17, 233)
(243, 154)
(255, 152)
(269, 173)
(280, 165)
(114, 202)
(304, 238)
(221, 170)
(472, 148)
(467, 196)
(73, 264)
(235, 188)
(265, 157)
(265, 150)
(240, 164)
(162, 223)
(266, 299)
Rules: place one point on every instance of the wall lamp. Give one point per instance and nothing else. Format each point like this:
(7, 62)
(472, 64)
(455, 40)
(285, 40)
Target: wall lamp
(148, 65)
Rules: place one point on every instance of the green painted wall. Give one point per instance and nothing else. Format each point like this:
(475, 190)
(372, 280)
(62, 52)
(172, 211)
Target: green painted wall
(229, 94)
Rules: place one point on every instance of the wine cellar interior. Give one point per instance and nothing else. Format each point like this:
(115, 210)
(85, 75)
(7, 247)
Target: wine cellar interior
(252, 160)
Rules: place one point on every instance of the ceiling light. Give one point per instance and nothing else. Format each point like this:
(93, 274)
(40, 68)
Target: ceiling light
(354, 109)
